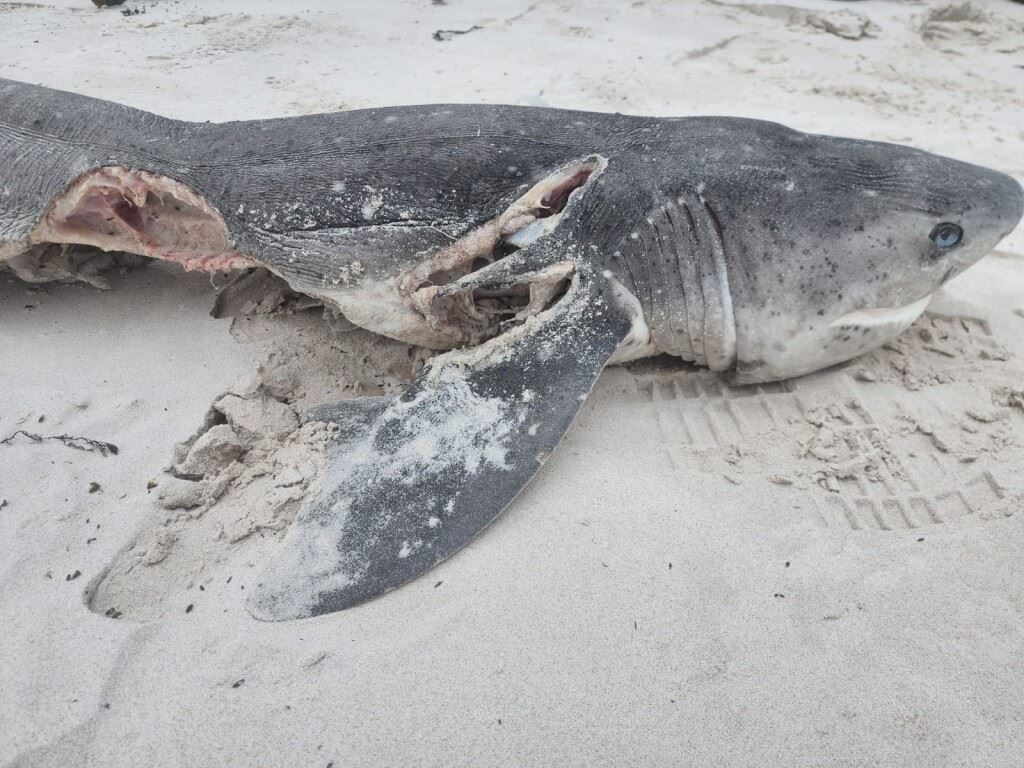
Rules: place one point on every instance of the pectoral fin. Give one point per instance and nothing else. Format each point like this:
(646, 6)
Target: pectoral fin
(409, 481)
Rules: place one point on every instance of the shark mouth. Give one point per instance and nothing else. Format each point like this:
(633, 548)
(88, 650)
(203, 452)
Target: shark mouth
(468, 305)
(844, 338)
(883, 320)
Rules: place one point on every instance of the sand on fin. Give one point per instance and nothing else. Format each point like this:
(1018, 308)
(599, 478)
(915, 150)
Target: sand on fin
(353, 418)
(413, 479)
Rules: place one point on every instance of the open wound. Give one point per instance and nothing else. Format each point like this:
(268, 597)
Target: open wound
(463, 300)
(116, 209)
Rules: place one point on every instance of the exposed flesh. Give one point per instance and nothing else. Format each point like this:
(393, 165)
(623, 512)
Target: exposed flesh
(473, 314)
(116, 209)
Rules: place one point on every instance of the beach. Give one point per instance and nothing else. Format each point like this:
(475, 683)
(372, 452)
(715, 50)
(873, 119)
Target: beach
(821, 571)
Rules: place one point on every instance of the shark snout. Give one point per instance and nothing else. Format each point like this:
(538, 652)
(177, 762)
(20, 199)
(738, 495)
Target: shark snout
(991, 207)
(985, 206)
(987, 203)
(1010, 202)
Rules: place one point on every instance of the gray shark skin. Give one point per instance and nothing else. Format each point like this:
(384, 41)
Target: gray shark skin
(537, 245)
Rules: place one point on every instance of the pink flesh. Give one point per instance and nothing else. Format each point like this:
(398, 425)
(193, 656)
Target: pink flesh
(116, 209)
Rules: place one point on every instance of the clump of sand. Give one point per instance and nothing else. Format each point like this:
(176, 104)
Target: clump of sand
(238, 482)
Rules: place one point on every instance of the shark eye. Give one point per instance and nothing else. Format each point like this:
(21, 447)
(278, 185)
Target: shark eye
(946, 235)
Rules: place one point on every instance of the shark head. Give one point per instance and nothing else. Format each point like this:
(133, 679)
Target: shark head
(839, 248)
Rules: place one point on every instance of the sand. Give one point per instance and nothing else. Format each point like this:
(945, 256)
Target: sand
(825, 571)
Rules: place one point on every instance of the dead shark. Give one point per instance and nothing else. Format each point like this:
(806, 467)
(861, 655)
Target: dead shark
(529, 246)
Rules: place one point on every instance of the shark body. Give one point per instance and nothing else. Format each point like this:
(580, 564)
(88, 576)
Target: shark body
(530, 247)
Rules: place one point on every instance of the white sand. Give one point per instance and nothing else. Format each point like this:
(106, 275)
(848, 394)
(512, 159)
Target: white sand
(826, 572)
